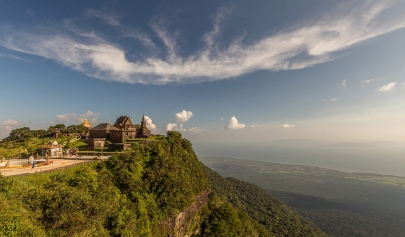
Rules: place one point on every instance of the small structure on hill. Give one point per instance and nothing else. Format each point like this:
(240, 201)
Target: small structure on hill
(143, 131)
(52, 149)
(86, 124)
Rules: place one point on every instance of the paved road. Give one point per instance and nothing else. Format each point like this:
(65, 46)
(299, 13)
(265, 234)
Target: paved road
(57, 163)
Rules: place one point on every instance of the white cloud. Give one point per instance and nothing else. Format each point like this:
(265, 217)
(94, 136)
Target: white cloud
(286, 125)
(333, 99)
(9, 122)
(92, 117)
(370, 80)
(149, 123)
(103, 16)
(6, 126)
(234, 124)
(171, 126)
(254, 125)
(388, 87)
(183, 116)
(343, 84)
(195, 130)
(317, 40)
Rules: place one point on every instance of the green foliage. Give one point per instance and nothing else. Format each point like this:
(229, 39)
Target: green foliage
(222, 219)
(138, 193)
(76, 128)
(340, 203)
(268, 211)
(56, 127)
(128, 195)
(24, 134)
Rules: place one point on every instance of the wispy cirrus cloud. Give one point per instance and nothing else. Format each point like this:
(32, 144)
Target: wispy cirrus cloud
(388, 87)
(343, 84)
(311, 44)
(111, 20)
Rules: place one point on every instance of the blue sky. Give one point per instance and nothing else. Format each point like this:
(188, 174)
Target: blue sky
(218, 71)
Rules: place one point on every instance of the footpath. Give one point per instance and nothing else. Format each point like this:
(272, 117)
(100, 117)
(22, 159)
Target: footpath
(57, 163)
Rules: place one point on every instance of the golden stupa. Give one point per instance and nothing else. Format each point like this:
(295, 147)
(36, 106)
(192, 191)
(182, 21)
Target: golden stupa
(86, 123)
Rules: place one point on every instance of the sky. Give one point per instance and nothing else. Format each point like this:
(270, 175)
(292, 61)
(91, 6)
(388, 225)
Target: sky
(217, 71)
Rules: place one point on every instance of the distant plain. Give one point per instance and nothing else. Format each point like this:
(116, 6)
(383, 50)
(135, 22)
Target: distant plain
(378, 157)
(340, 203)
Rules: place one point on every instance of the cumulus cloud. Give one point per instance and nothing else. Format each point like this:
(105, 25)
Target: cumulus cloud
(387, 87)
(254, 125)
(312, 43)
(183, 116)
(171, 126)
(333, 99)
(234, 124)
(286, 125)
(149, 123)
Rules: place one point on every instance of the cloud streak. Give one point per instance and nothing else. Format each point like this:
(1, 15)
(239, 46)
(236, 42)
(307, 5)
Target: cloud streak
(286, 125)
(388, 87)
(314, 43)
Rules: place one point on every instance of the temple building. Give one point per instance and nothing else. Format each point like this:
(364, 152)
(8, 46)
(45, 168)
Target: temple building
(87, 124)
(143, 131)
(52, 149)
(118, 133)
(99, 134)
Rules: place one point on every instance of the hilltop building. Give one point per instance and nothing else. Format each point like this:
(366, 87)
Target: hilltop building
(122, 129)
(143, 131)
(52, 149)
(99, 134)
(87, 124)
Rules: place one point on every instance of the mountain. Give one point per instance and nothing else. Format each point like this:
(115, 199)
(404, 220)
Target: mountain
(159, 188)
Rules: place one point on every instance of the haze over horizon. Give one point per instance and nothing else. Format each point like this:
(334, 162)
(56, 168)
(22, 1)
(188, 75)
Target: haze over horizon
(226, 72)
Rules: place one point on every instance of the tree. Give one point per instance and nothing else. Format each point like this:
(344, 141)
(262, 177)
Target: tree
(20, 134)
(59, 126)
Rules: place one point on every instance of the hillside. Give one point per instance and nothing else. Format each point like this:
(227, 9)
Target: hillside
(157, 189)
(340, 203)
(277, 217)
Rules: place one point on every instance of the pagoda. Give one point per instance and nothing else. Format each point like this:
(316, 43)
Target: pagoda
(86, 123)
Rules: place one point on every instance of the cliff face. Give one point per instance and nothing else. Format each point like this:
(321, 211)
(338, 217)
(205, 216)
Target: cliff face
(181, 224)
(157, 189)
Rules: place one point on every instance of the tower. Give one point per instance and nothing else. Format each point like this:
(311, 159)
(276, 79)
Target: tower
(143, 123)
(143, 131)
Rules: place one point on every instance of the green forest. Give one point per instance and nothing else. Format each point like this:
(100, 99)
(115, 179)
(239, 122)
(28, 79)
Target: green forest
(141, 193)
(340, 203)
